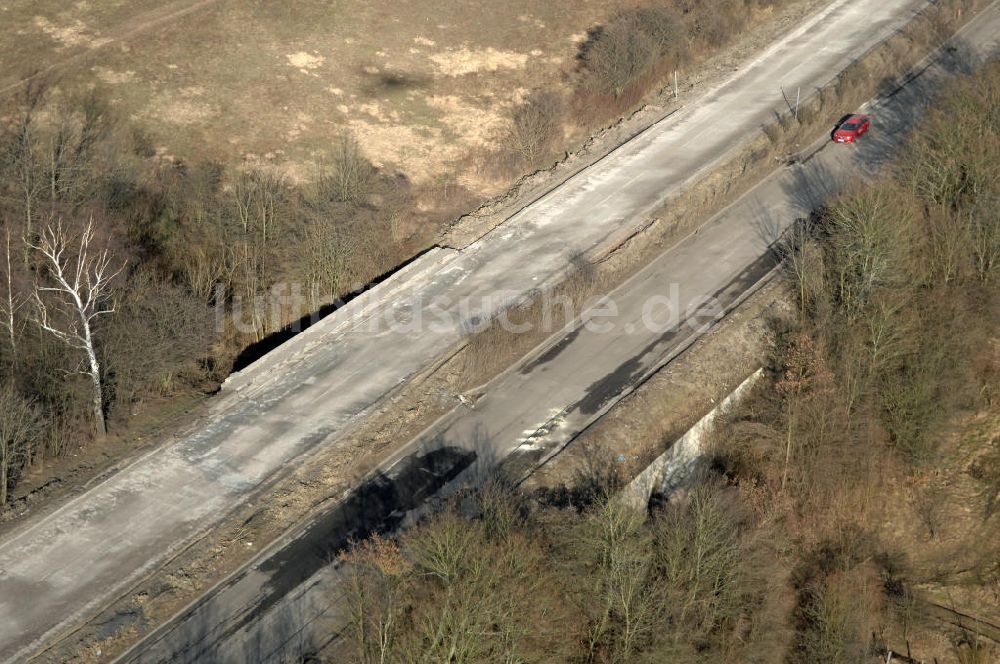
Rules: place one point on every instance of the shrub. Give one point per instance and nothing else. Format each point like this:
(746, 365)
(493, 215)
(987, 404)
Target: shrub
(350, 179)
(536, 125)
(618, 54)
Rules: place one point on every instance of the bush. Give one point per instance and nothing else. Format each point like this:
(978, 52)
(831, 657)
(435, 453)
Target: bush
(715, 23)
(618, 54)
(154, 344)
(350, 179)
(536, 125)
(22, 430)
(663, 28)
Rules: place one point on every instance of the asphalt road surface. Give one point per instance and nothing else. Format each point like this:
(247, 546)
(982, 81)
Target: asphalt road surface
(285, 602)
(59, 569)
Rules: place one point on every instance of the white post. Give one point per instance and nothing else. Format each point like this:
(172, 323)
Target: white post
(675, 84)
(798, 92)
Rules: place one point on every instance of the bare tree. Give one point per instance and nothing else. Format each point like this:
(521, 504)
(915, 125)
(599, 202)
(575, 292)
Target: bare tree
(71, 155)
(617, 599)
(700, 561)
(11, 302)
(350, 179)
(21, 161)
(949, 241)
(834, 619)
(866, 237)
(77, 294)
(535, 125)
(257, 198)
(29, 178)
(376, 573)
(20, 425)
(330, 250)
(256, 202)
(802, 262)
(985, 236)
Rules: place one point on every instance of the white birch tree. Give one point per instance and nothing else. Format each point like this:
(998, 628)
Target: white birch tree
(74, 294)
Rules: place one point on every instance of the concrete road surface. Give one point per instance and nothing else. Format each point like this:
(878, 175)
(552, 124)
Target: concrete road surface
(285, 603)
(56, 571)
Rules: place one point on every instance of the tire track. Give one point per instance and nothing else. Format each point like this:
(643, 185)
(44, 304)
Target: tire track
(131, 28)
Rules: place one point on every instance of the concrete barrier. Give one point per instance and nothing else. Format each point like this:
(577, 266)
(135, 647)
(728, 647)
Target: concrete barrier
(358, 310)
(674, 468)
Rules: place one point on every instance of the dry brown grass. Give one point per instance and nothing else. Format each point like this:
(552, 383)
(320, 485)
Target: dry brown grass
(873, 444)
(420, 85)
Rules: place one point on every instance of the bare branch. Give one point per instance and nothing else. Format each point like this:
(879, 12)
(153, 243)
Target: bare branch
(79, 290)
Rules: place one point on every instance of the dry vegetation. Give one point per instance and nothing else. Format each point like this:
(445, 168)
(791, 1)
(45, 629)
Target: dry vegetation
(426, 89)
(196, 263)
(182, 225)
(849, 507)
(515, 584)
(158, 253)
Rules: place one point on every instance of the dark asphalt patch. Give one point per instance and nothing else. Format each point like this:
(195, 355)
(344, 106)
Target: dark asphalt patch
(378, 506)
(609, 387)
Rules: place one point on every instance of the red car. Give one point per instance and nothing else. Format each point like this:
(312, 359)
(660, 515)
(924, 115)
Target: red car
(851, 128)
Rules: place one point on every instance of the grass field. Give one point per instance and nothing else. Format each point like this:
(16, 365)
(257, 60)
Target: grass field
(422, 84)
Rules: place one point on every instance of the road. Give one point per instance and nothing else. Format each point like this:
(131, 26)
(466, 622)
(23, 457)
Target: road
(58, 570)
(283, 604)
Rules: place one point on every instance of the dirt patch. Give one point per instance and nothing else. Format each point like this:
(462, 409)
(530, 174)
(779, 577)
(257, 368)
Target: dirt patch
(412, 150)
(463, 61)
(305, 61)
(74, 34)
(475, 125)
(112, 77)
